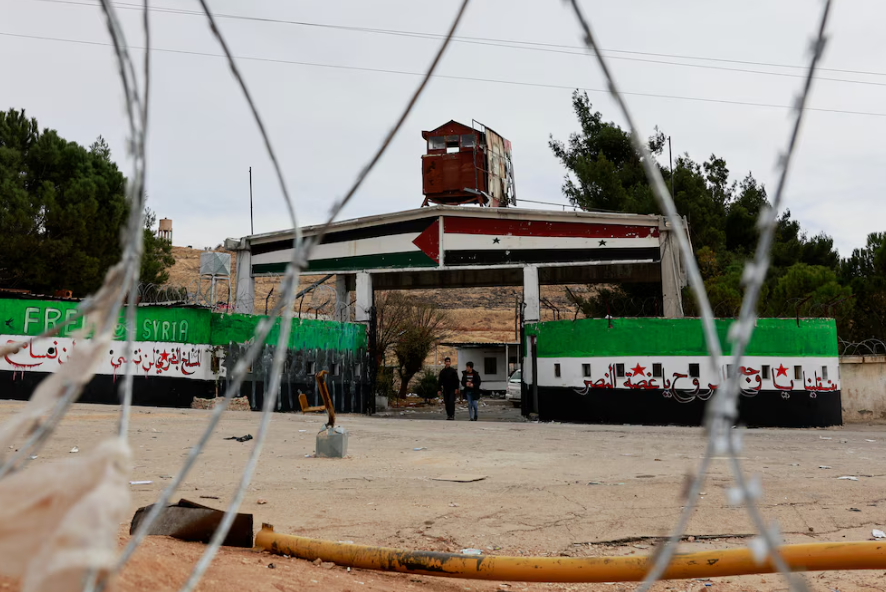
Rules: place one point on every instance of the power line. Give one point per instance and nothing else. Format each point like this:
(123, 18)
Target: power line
(515, 44)
(448, 77)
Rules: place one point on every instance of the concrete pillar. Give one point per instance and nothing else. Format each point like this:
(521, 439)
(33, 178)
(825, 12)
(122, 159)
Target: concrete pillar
(673, 276)
(245, 289)
(342, 299)
(362, 312)
(531, 312)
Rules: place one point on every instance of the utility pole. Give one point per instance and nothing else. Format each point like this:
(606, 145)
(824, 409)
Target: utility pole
(671, 159)
(251, 227)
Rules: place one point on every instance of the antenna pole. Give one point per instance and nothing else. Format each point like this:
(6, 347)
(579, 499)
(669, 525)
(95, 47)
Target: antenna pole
(251, 226)
(671, 159)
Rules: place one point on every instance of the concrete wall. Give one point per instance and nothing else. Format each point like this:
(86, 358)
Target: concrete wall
(863, 381)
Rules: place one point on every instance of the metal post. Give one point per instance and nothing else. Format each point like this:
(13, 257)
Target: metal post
(372, 360)
(671, 160)
(516, 317)
(533, 344)
(521, 360)
(251, 226)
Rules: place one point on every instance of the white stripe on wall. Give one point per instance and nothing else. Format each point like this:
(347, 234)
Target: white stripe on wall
(381, 245)
(150, 358)
(485, 242)
(572, 371)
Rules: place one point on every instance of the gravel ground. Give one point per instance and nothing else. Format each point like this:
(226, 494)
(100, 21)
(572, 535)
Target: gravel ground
(547, 489)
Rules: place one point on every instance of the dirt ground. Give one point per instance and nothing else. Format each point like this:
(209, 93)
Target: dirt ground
(549, 489)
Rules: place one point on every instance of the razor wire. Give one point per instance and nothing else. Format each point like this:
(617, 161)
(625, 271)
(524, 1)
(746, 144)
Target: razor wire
(289, 283)
(652, 306)
(722, 412)
(868, 347)
(122, 279)
(240, 369)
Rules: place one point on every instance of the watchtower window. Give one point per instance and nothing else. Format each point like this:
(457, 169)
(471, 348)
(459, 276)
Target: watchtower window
(451, 144)
(436, 143)
(467, 140)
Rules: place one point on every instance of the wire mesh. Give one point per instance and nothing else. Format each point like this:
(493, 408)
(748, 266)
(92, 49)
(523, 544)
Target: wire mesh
(121, 284)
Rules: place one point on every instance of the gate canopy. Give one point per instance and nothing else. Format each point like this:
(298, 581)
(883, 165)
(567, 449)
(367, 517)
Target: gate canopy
(445, 246)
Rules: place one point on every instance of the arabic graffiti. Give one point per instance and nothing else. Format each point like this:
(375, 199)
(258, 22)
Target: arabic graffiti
(161, 361)
(150, 358)
(26, 359)
(689, 389)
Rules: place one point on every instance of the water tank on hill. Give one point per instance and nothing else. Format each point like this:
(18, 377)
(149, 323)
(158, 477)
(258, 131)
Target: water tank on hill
(165, 230)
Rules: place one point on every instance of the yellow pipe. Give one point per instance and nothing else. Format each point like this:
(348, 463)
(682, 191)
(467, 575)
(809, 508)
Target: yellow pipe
(709, 564)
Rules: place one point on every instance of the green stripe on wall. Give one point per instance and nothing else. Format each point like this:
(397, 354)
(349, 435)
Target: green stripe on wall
(305, 334)
(182, 324)
(179, 324)
(387, 260)
(680, 337)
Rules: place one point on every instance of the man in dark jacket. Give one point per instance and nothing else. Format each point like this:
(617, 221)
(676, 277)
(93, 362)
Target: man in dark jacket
(449, 388)
(470, 382)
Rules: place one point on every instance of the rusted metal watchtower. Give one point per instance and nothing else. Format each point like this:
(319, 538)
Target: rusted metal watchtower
(467, 165)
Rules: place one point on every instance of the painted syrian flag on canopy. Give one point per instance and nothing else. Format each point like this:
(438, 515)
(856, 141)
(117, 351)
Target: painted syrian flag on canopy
(455, 241)
(477, 241)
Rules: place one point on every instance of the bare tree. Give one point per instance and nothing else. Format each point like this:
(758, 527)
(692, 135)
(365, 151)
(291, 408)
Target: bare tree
(392, 310)
(425, 325)
(408, 327)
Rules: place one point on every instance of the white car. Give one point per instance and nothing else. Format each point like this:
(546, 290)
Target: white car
(513, 393)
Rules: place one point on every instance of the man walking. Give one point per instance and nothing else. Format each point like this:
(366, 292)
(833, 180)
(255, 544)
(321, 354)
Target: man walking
(449, 388)
(470, 382)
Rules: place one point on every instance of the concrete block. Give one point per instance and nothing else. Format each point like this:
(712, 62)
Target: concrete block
(332, 443)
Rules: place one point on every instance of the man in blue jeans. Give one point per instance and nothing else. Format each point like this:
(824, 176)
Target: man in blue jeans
(470, 382)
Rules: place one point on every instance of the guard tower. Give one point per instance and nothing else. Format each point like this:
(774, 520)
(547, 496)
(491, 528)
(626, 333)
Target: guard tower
(466, 165)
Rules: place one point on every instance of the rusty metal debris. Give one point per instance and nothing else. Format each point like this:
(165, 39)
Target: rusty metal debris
(332, 441)
(459, 478)
(245, 438)
(327, 400)
(190, 521)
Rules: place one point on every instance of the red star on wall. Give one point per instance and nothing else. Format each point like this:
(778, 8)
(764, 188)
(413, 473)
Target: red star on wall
(781, 371)
(638, 370)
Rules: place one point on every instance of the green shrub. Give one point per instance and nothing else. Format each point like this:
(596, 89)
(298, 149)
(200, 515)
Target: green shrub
(428, 385)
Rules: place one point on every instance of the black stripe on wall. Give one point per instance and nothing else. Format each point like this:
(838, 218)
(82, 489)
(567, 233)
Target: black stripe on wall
(642, 407)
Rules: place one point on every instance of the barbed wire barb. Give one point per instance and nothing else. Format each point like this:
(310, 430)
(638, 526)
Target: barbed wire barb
(241, 367)
(121, 287)
(722, 411)
(340, 204)
(289, 285)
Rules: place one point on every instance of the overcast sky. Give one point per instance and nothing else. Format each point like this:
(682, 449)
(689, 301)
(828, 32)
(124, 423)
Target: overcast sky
(324, 122)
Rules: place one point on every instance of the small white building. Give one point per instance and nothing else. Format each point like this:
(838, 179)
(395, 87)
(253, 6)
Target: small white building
(494, 361)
